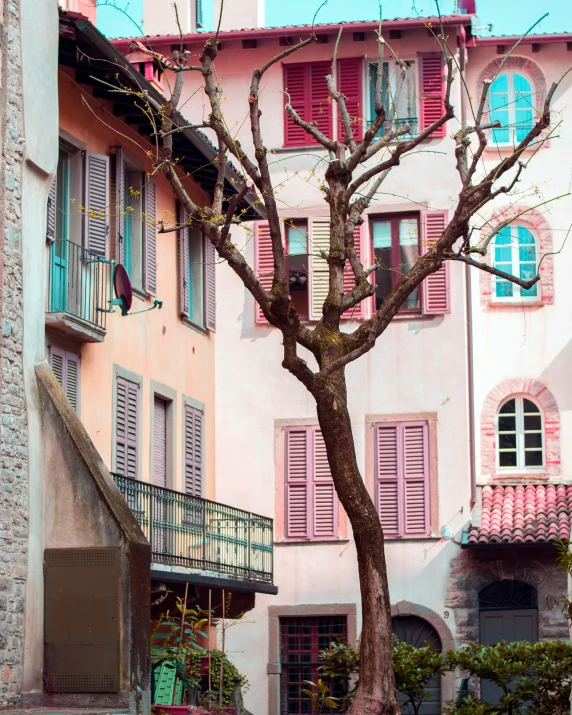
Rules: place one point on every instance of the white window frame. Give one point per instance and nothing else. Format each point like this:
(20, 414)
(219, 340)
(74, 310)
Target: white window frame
(520, 434)
(516, 296)
(512, 140)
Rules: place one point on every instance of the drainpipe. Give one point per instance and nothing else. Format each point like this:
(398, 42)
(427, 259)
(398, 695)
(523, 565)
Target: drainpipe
(468, 304)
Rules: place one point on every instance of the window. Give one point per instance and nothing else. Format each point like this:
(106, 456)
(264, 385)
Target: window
(311, 501)
(66, 368)
(520, 435)
(396, 248)
(133, 231)
(405, 103)
(159, 442)
(515, 253)
(511, 102)
(193, 449)
(301, 642)
(297, 265)
(197, 276)
(402, 478)
(127, 428)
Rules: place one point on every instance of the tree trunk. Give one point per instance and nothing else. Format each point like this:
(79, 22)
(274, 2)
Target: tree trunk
(375, 694)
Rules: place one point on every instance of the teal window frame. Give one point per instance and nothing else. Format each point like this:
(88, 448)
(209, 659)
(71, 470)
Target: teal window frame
(515, 251)
(511, 102)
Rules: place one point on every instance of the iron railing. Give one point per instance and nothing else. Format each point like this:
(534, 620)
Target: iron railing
(399, 124)
(80, 283)
(196, 533)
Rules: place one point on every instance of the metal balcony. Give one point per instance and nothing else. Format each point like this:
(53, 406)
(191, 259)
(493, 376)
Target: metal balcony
(195, 533)
(80, 291)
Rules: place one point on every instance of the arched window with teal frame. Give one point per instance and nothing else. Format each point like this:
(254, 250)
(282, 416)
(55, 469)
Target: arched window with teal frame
(511, 102)
(515, 252)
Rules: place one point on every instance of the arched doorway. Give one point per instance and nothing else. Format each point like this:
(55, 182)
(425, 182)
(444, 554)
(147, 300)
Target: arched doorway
(418, 632)
(508, 611)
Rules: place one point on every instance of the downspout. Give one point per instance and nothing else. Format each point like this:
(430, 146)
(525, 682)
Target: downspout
(468, 303)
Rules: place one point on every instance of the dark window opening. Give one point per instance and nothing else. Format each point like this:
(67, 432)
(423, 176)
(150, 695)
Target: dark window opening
(297, 263)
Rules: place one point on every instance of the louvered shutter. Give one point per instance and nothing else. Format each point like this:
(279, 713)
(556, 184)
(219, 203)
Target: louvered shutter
(159, 442)
(358, 311)
(119, 205)
(72, 380)
(350, 80)
(320, 104)
(51, 212)
(58, 363)
(325, 502)
(96, 202)
(126, 427)
(193, 441)
(150, 237)
(263, 262)
(387, 446)
(436, 293)
(295, 84)
(297, 483)
(306, 86)
(415, 480)
(319, 241)
(432, 92)
(183, 256)
(210, 285)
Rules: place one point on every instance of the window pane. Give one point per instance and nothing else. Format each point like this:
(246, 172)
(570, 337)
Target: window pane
(297, 236)
(533, 459)
(500, 136)
(382, 252)
(408, 232)
(500, 84)
(381, 234)
(508, 407)
(196, 273)
(408, 255)
(133, 239)
(384, 90)
(533, 439)
(521, 84)
(507, 459)
(507, 441)
(530, 407)
(63, 204)
(507, 424)
(504, 289)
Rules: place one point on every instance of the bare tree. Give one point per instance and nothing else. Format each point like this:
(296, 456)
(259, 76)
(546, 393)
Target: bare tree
(349, 189)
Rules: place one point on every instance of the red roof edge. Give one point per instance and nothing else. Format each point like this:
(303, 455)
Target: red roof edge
(528, 40)
(122, 43)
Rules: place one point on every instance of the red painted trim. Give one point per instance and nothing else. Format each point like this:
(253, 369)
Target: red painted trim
(510, 40)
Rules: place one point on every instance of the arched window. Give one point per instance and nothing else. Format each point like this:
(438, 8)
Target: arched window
(520, 435)
(515, 252)
(511, 102)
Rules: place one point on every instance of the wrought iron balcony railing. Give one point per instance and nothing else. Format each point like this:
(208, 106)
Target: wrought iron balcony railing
(196, 533)
(399, 124)
(80, 283)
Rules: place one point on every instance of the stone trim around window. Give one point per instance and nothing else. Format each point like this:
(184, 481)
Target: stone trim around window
(537, 224)
(275, 613)
(551, 418)
(279, 461)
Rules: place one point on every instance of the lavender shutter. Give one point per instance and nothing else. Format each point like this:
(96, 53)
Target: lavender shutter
(126, 427)
(193, 441)
(297, 486)
(415, 479)
(436, 294)
(159, 442)
(96, 202)
(58, 362)
(183, 257)
(51, 215)
(387, 478)
(119, 205)
(72, 380)
(210, 285)
(324, 502)
(263, 262)
(150, 237)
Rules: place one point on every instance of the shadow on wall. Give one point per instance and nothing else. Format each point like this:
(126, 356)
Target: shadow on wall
(557, 377)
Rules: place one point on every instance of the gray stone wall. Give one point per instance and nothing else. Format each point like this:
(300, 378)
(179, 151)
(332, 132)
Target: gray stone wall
(13, 427)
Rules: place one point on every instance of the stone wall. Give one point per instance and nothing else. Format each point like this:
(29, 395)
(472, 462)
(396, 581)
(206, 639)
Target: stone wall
(13, 427)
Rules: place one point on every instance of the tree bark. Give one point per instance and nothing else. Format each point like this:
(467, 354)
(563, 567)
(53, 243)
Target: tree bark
(375, 694)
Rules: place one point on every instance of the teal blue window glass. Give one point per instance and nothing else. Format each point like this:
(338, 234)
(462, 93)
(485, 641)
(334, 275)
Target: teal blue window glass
(127, 227)
(60, 248)
(511, 102)
(133, 226)
(515, 252)
(196, 277)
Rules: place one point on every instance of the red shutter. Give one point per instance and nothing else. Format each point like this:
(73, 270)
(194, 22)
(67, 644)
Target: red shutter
(387, 478)
(119, 205)
(51, 217)
(415, 479)
(159, 442)
(96, 203)
(358, 311)
(295, 84)
(193, 441)
(307, 91)
(263, 262)
(126, 428)
(436, 294)
(432, 94)
(297, 483)
(210, 285)
(325, 502)
(320, 100)
(65, 367)
(150, 237)
(350, 78)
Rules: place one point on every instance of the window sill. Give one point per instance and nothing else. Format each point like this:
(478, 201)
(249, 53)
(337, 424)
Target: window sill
(197, 328)
(517, 304)
(414, 539)
(311, 542)
(139, 293)
(295, 149)
(520, 475)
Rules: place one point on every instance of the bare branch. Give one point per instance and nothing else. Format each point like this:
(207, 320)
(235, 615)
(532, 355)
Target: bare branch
(311, 129)
(526, 284)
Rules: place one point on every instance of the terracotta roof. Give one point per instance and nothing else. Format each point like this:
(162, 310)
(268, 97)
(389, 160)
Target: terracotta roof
(531, 513)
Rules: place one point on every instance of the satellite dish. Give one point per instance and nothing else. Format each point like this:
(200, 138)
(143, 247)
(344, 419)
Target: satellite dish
(122, 288)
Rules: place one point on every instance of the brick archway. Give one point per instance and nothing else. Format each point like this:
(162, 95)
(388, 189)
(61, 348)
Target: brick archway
(518, 64)
(547, 403)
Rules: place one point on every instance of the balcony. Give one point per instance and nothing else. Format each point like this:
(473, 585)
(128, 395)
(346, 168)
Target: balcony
(80, 291)
(201, 535)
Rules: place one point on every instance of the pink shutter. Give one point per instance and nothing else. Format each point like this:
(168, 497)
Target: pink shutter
(72, 383)
(436, 293)
(119, 205)
(296, 85)
(297, 460)
(358, 311)
(210, 285)
(415, 479)
(126, 428)
(150, 237)
(320, 104)
(432, 94)
(183, 257)
(58, 364)
(387, 449)
(325, 501)
(96, 203)
(193, 441)
(263, 262)
(159, 442)
(51, 216)
(350, 78)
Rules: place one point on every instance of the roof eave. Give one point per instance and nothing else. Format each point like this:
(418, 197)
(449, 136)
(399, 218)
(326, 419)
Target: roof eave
(528, 40)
